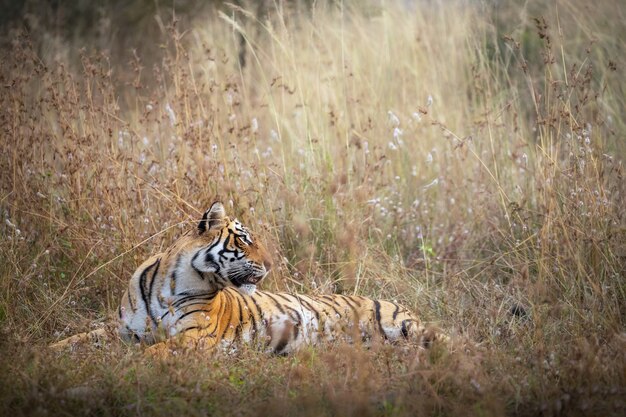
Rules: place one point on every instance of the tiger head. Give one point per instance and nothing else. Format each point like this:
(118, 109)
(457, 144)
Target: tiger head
(229, 251)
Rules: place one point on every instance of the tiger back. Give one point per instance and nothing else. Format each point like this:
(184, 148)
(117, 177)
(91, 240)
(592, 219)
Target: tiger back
(281, 322)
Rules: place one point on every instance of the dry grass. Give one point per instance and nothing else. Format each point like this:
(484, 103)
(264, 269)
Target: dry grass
(464, 159)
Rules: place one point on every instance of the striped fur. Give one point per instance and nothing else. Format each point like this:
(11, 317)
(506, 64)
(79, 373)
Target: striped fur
(201, 293)
(282, 322)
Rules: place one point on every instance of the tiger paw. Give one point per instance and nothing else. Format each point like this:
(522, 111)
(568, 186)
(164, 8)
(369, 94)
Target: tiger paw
(159, 351)
(95, 337)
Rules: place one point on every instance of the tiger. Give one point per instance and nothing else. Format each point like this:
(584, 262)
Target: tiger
(201, 293)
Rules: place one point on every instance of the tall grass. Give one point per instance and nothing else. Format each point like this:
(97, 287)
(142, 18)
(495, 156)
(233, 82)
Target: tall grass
(464, 159)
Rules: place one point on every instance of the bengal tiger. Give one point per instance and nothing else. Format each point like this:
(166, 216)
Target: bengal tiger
(201, 293)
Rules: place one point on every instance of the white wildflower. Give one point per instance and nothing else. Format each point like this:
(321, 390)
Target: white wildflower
(429, 101)
(397, 135)
(170, 114)
(393, 119)
(432, 183)
(475, 385)
(254, 125)
(268, 152)
(392, 146)
(429, 158)
(417, 117)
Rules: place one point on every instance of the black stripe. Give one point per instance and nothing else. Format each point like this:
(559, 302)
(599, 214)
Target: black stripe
(377, 315)
(191, 312)
(309, 307)
(151, 289)
(259, 310)
(285, 297)
(195, 268)
(191, 328)
(297, 323)
(208, 296)
(319, 300)
(214, 244)
(354, 310)
(358, 301)
(130, 301)
(173, 276)
(395, 312)
(185, 306)
(349, 300)
(296, 331)
(143, 289)
(173, 282)
(208, 258)
(203, 222)
(186, 329)
(252, 319)
(224, 246)
(278, 305)
(332, 298)
(404, 330)
(192, 304)
(239, 327)
(228, 306)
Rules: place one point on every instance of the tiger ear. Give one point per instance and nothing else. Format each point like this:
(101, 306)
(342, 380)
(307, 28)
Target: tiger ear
(212, 218)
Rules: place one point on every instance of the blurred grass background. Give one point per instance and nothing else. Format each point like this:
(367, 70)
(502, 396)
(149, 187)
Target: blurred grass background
(464, 158)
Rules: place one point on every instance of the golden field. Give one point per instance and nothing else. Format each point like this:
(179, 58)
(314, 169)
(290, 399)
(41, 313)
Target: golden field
(463, 158)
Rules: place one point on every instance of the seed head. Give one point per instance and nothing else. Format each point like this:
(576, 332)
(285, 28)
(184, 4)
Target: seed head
(393, 119)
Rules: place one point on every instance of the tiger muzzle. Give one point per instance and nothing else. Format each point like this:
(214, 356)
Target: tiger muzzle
(254, 279)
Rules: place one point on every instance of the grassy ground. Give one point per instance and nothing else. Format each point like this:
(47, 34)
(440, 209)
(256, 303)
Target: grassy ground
(463, 158)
